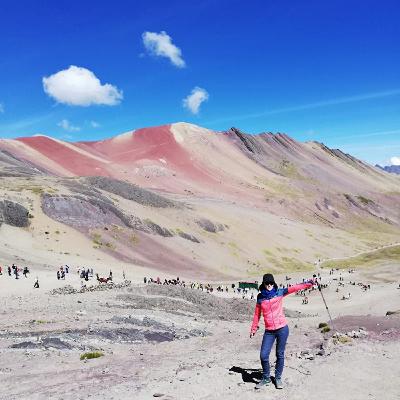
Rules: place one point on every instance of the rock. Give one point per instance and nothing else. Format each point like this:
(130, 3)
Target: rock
(392, 312)
(132, 192)
(13, 214)
(209, 226)
(357, 334)
(188, 236)
(158, 394)
(68, 289)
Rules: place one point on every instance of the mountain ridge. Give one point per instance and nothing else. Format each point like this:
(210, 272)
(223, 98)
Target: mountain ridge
(266, 199)
(393, 169)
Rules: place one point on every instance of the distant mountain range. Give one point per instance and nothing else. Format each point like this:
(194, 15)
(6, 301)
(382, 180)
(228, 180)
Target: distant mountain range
(393, 169)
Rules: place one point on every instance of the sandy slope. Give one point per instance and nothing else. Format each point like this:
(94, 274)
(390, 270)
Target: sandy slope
(224, 364)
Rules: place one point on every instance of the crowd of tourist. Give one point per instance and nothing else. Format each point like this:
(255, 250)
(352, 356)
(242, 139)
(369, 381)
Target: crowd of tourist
(336, 276)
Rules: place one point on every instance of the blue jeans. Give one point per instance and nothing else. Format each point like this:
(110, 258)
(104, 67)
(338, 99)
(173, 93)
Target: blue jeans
(281, 336)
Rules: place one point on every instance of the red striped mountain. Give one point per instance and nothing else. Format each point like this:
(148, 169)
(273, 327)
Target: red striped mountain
(263, 193)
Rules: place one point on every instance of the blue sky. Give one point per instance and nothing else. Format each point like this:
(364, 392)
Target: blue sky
(325, 71)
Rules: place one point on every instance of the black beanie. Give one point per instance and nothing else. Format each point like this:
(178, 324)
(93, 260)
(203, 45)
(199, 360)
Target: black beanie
(268, 278)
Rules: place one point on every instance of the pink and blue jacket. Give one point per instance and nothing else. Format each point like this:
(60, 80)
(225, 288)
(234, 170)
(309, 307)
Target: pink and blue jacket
(272, 308)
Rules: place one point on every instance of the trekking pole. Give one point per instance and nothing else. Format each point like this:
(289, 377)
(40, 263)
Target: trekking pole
(326, 306)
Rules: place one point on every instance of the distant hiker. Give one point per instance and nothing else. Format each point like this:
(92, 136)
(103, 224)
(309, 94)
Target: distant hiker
(145, 280)
(9, 271)
(110, 275)
(269, 304)
(66, 269)
(36, 284)
(62, 274)
(123, 275)
(58, 275)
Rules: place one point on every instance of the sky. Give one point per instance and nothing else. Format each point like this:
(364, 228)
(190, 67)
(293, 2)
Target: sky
(316, 70)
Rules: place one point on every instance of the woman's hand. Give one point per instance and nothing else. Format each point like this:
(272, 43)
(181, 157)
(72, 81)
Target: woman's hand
(253, 333)
(312, 281)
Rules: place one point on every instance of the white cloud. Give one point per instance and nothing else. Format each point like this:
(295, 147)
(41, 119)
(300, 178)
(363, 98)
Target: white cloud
(94, 124)
(78, 86)
(194, 100)
(160, 44)
(395, 161)
(1, 108)
(67, 126)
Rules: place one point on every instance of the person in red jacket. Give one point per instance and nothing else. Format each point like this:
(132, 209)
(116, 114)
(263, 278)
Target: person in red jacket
(269, 304)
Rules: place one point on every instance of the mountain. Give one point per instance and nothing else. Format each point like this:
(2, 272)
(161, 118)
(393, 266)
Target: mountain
(187, 200)
(394, 169)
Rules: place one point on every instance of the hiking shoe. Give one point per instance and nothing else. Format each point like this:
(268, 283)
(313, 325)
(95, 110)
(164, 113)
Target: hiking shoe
(264, 382)
(278, 383)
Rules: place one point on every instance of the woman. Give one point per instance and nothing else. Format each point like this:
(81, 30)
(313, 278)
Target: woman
(269, 303)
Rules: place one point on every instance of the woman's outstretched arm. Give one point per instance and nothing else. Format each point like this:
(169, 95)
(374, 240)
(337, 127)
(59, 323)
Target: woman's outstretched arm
(300, 286)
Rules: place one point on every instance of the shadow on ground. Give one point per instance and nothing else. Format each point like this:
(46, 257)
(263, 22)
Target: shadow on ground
(248, 375)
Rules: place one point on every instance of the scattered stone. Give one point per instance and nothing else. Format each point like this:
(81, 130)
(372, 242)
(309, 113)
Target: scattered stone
(209, 226)
(46, 343)
(357, 334)
(68, 289)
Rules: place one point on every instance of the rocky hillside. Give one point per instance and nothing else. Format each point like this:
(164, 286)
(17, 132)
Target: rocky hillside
(184, 199)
